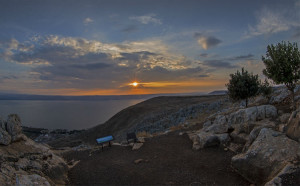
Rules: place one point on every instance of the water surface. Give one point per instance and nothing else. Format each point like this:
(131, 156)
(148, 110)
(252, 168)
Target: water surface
(64, 114)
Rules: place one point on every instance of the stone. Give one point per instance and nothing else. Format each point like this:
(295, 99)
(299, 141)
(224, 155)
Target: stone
(5, 138)
(279, 95)
(240, 138)
(138, 161)
(207, 124)
(293, 126)
(268, 155)
(234, 147)
(2, 124)
(219, 125)
(141, 139)
(31, 180)
(284, 117)
(286, 172)
(14, 128)
(251, 114)
(137, 146)
(205, 139)
(282, 128)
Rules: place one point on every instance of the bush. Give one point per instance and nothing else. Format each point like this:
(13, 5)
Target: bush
(265, 89)
(243, 86)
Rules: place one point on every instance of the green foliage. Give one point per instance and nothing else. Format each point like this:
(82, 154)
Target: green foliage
(265, 89)
(243, 85)
(282, 63)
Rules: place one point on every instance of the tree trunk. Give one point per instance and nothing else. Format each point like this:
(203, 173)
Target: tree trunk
(246, 102)
(293, 99)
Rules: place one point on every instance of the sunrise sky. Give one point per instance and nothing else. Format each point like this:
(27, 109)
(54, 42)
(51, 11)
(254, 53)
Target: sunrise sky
(86, 47)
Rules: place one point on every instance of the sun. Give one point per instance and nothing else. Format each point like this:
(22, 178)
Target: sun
(135, 84)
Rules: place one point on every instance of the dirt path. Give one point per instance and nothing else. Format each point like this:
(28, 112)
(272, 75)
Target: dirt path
(167, 159)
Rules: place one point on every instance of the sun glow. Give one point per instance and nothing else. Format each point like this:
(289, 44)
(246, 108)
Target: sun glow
(135, 84)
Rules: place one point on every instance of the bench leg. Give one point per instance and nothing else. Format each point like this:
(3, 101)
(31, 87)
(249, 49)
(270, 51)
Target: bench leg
(109, 144)
(102, 147)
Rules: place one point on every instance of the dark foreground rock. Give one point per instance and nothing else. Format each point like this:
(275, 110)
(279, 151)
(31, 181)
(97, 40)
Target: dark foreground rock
(25, 162)
(266, 157)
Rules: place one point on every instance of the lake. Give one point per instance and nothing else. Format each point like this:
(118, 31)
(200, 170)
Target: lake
(64, 114)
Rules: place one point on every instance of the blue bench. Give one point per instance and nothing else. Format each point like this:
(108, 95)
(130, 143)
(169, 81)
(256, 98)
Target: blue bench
(105, 139)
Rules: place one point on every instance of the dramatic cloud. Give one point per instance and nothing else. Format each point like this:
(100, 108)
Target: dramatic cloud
(87, 21)
(67, 62)
(146, 19)
(218, 64)
(207, 42)
(271, 21)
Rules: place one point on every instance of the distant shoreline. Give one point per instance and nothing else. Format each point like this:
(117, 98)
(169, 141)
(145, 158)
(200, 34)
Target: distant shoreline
(6, 96)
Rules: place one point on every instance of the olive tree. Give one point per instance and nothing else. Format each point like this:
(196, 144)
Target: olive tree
(243, 85)
(282, 63)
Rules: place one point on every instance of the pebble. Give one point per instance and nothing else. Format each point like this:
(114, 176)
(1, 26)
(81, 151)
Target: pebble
(138, 161)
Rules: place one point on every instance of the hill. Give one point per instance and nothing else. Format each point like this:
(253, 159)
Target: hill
(153, 115)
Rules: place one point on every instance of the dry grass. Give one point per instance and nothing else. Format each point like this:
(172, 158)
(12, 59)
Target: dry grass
(176, 127)
(144, 134)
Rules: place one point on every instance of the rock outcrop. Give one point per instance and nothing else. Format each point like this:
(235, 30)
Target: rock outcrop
(293, 126)
(266, 157)
(25, 162)
(10, 130)
(235, 126)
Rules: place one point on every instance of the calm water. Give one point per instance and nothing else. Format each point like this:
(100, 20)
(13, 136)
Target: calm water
(64, 114)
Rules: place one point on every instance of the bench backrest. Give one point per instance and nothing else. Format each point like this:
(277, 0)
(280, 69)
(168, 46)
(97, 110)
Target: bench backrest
(105, 139)
(131, 136)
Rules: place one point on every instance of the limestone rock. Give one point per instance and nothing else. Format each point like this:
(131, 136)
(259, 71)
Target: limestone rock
(288, 172)
(31, 180)
(14, 127)
(293, 126)
(284, 117)
(206, 139)
(138, 161)
(251, 114)
(137, 146)
(207, 124)
(267, 155)
(5, 138)
(279, 95)
(2, 123)
(219, 125)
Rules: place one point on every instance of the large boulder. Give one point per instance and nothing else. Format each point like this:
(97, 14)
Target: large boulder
(279, 95)
(293, 126)
(251, 114)
(14, 127)
(207, 139)
(31, 180)
(5, 138)
(219, 125)
(266, 157)
(287, 176)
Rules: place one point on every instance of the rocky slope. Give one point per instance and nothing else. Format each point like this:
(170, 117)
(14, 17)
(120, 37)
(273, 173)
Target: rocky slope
(265, 138)
(25, 162)
(151, 116)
